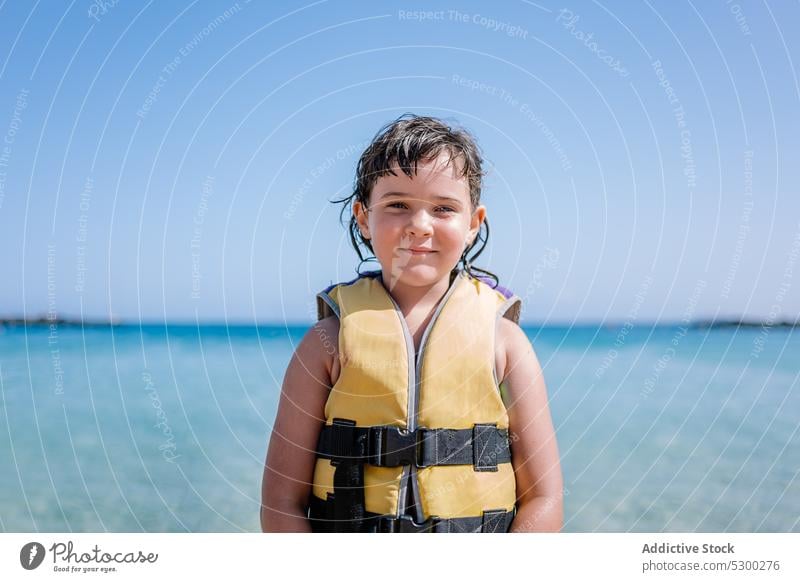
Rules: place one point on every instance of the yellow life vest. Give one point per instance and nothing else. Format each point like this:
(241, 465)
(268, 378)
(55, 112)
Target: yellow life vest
(415, 443)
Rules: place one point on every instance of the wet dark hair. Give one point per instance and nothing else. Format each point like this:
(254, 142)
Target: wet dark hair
(406, 141)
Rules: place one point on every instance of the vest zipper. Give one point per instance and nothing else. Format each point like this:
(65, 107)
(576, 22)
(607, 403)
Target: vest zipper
(409, 476)
(404, 478)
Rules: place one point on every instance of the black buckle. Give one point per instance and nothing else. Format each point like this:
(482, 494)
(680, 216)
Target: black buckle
(405, 524)
(390, 446)
(486, 446)
(342, 440)
(494, 521)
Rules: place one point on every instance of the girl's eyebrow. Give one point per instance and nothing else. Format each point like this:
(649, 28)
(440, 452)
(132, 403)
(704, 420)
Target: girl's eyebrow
(395, 194)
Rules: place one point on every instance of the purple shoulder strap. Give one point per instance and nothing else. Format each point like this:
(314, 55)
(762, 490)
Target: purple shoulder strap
(507, 293)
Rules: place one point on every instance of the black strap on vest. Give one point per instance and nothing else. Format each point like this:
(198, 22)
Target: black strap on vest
(350, 447)
(348, 477)
(324, 519)
(483, 446)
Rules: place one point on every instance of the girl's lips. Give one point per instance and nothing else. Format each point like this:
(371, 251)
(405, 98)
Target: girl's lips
(418, 251)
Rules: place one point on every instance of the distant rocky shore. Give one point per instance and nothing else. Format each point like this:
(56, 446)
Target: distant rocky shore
(58, 321)
(740, 323)
(68, 322)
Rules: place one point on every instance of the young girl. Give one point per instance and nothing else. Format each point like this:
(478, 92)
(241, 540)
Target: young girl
(416, 403)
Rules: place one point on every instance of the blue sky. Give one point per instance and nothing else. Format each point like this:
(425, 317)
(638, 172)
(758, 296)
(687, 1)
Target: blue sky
(167, 161)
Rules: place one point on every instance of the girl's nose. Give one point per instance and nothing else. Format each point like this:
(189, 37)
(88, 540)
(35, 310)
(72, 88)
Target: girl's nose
(421, 224)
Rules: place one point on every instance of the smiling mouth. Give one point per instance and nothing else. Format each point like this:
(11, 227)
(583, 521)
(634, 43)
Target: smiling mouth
(418, 251)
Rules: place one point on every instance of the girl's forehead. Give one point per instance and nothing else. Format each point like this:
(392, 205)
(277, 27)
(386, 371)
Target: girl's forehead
(443, 165)
(431, 176)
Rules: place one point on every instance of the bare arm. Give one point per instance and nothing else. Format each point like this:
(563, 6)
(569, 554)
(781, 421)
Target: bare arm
(534, 452)
(289, 467)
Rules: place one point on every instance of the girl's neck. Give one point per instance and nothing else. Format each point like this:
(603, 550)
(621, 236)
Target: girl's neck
(410, 298)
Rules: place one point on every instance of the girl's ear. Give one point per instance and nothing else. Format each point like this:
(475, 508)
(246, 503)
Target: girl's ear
(360, 212)
(478, 216)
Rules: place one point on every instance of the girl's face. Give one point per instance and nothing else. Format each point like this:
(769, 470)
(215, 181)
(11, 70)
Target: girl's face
(419, 226)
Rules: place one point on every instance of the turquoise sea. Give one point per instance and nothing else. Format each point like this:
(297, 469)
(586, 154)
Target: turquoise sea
(165, 428)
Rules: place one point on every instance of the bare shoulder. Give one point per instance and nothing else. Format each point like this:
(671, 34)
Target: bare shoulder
(319, 349)
(307, 381)
(327, 331)
(511, 343)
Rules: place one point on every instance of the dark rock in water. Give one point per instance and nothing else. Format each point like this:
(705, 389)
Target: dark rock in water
(727, 323)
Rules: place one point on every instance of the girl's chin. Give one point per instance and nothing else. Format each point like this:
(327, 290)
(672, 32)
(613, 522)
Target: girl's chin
(416, 274)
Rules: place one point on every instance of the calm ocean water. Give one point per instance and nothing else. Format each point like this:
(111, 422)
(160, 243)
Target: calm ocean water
(165, 428)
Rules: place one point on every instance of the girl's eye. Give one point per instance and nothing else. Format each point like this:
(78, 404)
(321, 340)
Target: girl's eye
(404, 206)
